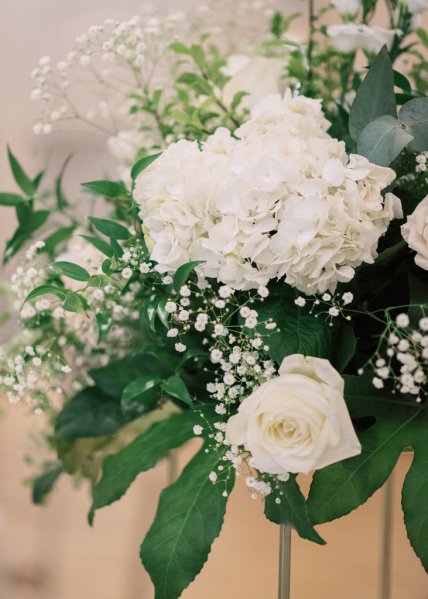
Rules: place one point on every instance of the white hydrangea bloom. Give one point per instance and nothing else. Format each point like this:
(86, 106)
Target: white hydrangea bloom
(282, 201)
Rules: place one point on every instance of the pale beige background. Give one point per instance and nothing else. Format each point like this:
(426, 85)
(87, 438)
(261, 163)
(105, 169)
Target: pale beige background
(51, 553)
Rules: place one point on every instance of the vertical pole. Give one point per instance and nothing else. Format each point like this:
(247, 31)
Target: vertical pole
(284, 562)
(386, 558)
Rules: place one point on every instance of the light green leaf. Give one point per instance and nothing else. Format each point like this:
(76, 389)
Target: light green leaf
(414, 114)
(100, 244)
(73, 271)
(142, 164)
(120, 470)
(176, 387)
(21, 178)
(291, 510)
(56, 238)
(189, 518)
(108, 189)
(110, 228)
(183, 273)
(45, 290)
(11, 199)
(375, 96)
(382, 140)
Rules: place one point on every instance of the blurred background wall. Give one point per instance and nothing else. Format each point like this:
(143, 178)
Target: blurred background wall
(52, 553)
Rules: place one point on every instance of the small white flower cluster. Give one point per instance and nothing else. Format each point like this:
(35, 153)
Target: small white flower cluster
(404, 362)
(328, 305)
(421, 162)
(282, 201)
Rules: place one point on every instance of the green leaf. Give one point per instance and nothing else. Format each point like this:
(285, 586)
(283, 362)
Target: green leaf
(375, 96)
(344, 486)
(68, 269)
(113, 378)
(189, 518)
(415, 502)
(120, 470)
(56, 238)
(108, 189)
(402, 82)
(179, 48)
(73, 302)
(382, 140)
(237, 99)
(11, 199)
(91, 413)
(21, 178)
(44, 483)
(45, 290)
(176, 387)
(100, 244)
(183, 273)
(291, 510)
(110, 228)
(343, 347)
(142, 394)
(414, 115)
(61, 200)
(298, 332)
(142, 164)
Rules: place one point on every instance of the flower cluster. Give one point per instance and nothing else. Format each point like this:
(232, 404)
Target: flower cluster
(282, 200)
(402, 357)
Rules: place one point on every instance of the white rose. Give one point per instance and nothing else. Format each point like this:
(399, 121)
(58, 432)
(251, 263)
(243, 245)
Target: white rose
(259, 76)
(415, 232)
(347, 7)
(298, 421)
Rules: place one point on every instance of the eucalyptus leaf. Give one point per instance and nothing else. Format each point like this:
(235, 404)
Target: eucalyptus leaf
(382, 140)
(108, 189)
(110, 228)
(414, 114)
(375, 96)
(142, 164)
(101, 245)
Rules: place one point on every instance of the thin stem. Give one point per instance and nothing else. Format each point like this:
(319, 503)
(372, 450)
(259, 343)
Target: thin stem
(284, 562)
(311, 28)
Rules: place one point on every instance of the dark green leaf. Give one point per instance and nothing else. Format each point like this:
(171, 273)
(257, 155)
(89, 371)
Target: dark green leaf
(21, 178)
(68, 269)
(402, 82)
(108, 189)
(183, 273)
(189, 518)
(44, 483)
(375, 96)
(291, 510)
(176, 387)
(120, 470)
(91, 413)
(142, 164)
(382, 140)
(11, 199)
(110, 228)
(142, 394)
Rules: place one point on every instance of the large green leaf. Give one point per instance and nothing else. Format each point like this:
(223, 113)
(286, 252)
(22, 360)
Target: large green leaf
(120, 470)
(189, 518)
(414, 115)
(375, 96)
(415, 498)
(298, 332)
(291, 510)
(91, 413)
(344, 486)
(382, 140)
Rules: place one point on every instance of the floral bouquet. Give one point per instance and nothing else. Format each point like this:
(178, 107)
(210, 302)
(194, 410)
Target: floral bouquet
(256, 277)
